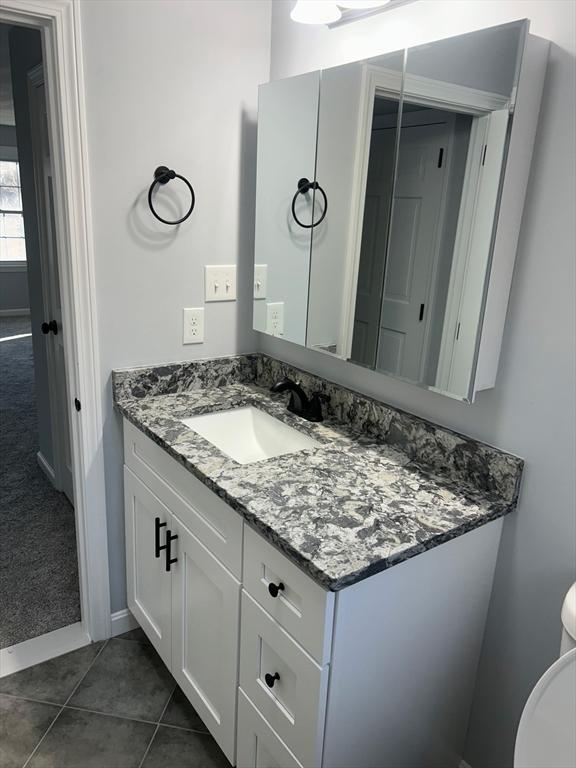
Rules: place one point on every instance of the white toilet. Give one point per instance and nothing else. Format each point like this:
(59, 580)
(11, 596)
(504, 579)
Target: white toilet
(546, 735)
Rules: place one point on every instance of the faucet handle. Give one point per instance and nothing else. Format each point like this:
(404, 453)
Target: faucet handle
(316, 405)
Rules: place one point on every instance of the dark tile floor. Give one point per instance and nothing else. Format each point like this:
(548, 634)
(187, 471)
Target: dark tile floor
(108, 705)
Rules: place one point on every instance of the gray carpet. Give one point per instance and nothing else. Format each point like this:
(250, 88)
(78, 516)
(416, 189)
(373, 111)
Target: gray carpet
(39, 589)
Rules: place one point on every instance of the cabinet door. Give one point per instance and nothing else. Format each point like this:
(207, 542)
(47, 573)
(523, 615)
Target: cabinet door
(149, 585)
(287, 120)
(205, 626)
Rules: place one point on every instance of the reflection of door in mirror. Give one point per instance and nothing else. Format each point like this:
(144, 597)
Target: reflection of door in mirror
(377, 206)
(401, 285)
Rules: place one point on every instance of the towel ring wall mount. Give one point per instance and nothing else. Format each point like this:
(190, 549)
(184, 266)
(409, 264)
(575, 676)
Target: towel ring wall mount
(304, 186)
(162, 175)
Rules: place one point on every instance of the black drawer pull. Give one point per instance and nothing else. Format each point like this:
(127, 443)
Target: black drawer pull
(275, 588)
(271, 679)
(168, 547)
(157, 546)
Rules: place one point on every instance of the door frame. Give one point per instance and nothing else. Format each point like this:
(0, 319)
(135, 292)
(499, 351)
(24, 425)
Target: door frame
(59, 24)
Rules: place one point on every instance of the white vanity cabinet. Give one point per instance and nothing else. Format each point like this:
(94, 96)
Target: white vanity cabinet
(284, 673)
(190, 607)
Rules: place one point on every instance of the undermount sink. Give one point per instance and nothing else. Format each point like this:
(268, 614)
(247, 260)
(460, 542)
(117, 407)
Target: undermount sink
(248, 434)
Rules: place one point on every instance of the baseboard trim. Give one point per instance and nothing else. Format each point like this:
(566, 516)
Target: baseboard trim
(122, 621)
(46, 468)
(42, 648)
(14, 312)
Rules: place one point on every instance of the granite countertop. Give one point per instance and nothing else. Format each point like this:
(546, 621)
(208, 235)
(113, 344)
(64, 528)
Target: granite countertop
(350, 508)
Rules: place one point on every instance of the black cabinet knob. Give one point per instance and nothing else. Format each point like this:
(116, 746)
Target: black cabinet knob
(275, 588)
(52, 326)
(271, 679)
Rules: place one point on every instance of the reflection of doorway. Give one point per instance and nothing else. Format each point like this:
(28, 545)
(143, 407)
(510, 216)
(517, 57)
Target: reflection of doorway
(40, 589)
(412, 258)
(405, 266)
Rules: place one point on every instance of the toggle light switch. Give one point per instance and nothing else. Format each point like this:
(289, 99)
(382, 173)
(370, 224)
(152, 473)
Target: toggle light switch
(220, 283)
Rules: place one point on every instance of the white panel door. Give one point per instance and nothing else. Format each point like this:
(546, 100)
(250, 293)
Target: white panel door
(206, 615)
(412, 252)
(373, 250)
(49, 270)
(148, 583)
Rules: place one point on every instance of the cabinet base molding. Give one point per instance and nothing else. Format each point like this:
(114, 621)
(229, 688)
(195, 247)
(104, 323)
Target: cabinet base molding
(122, 621)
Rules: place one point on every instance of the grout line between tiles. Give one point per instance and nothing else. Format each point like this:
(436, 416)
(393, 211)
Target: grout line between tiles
(47, 731)
(100, 712)
(144, 756)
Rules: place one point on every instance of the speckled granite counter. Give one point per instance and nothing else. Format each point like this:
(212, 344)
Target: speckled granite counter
(383, 487)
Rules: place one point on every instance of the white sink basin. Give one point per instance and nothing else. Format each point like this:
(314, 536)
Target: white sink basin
(248, 434)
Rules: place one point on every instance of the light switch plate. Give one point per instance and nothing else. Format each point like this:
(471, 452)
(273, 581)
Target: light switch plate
(275, 318)
(220, 283)
(193, 325)
(260, 280)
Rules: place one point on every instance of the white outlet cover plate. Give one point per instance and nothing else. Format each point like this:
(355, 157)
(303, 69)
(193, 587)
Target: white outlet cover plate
(260, 280)
(275, 318)
(193, 325)
(220, 282)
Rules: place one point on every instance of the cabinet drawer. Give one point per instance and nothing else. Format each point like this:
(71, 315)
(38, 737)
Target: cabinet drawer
(286, 685)
(216, 525)
(258, 745)
(302, 607)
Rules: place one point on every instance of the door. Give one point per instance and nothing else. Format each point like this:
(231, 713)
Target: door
(206, 615)
(413, 251)
(149, 585)
(379, 186)
(43, 177)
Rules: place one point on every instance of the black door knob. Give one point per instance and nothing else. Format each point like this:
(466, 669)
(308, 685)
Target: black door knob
(275, 588)
(271, 679)
(52, 326)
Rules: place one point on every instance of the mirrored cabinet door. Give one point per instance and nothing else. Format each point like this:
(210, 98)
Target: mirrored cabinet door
(457, 101)
(351, 97)
(287, 121)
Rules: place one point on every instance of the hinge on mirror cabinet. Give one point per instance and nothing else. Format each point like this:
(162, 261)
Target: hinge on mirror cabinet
(440, 157)
(484, 154)
(457, 331)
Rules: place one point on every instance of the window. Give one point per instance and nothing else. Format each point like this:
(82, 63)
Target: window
(12, 245)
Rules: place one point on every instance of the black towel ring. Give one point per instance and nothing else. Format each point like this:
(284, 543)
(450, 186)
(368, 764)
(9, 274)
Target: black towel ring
(162, 175)
(304, 185)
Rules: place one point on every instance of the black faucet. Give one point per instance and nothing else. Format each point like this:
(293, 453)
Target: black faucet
(300, 404)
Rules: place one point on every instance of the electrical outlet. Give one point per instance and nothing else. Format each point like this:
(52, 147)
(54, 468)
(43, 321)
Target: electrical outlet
(193, 326)
(275, 318)
(260, 280)
(220, 283)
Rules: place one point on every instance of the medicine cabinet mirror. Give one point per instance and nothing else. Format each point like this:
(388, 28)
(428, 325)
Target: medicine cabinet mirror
(378, 192)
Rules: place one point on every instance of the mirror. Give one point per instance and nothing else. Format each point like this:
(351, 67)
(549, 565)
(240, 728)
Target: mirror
(377, 195)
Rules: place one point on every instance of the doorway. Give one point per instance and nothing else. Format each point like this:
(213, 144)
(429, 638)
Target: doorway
(40, 590)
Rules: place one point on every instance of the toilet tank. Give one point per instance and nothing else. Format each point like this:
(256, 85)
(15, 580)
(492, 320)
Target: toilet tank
(569, 621)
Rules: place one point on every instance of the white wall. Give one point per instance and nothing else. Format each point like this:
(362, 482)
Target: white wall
(532, 410)
(168, 82)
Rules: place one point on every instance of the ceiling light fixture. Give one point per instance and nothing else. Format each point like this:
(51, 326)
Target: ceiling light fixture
(315, 12)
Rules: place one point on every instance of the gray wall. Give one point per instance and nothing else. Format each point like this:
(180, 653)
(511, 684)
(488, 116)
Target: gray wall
(531, 412)
(26, 53)
(175, 83)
